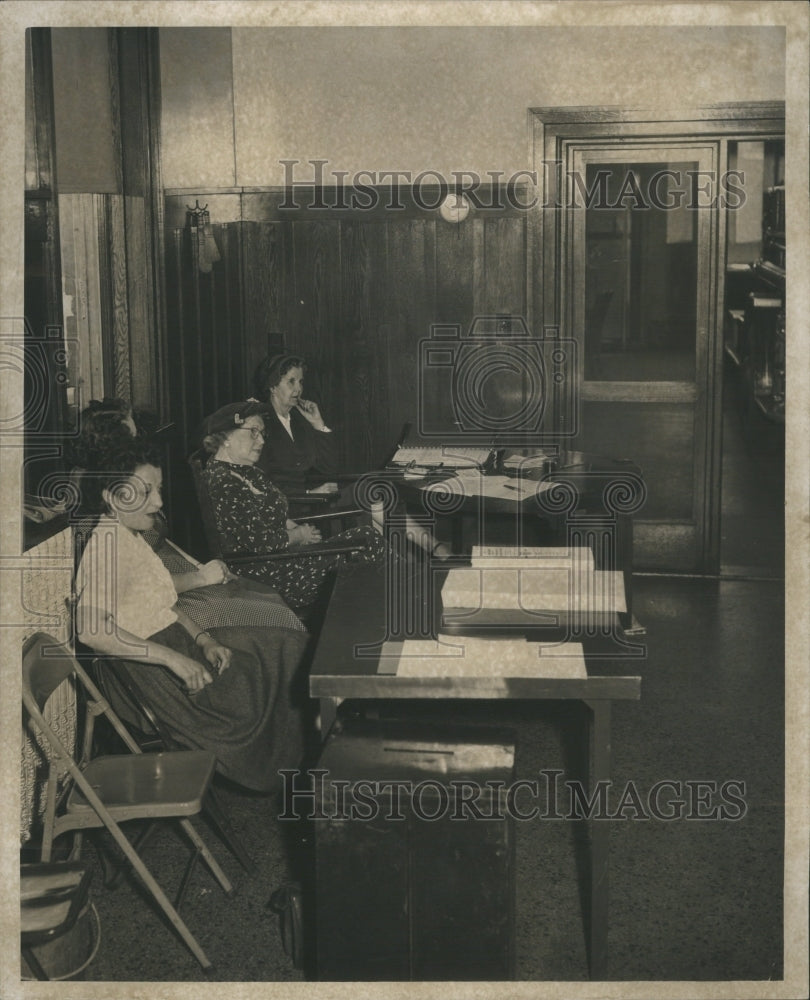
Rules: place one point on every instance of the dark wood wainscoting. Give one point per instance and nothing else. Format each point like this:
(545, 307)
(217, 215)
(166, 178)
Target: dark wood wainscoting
(354, 292)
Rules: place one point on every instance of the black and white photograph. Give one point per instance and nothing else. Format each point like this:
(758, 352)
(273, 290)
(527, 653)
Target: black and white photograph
(405, 504)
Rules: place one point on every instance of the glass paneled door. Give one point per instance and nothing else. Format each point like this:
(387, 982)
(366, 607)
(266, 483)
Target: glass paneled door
(638, 291)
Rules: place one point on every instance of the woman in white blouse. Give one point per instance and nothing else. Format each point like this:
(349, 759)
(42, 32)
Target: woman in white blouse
(231, 690)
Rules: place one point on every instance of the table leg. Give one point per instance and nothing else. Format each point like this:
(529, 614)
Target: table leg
(328, 714)
(600, 832)
(624, 550)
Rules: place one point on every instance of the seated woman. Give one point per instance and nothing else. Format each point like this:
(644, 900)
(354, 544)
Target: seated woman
(230, 690)
(251, 512)
(299, 449)
(209, 593)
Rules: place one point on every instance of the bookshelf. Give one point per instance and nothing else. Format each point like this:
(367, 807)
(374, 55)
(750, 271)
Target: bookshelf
(754, 336)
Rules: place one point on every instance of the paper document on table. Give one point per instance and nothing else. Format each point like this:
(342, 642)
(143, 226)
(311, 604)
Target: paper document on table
(471, 483)
(526, 462)
(392, 650)
(531, 557)
(432, 457)
(572, 589)
(466, 656)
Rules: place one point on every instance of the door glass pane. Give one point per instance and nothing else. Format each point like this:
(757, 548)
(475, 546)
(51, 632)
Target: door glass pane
(641, 271)
(658, 437)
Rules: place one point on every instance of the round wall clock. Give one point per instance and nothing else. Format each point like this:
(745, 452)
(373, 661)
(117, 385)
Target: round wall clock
(455, 208)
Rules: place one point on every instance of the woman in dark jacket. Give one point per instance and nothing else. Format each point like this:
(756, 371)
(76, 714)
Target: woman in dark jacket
(299, 449)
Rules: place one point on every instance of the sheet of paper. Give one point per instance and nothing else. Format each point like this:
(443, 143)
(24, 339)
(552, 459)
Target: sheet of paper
(470, 482)
(475, 657)
(432, 456)
(525, 462)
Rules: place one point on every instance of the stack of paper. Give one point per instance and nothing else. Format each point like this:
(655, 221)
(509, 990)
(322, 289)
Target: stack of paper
(517, 460)
(465, 656)
(531, 556)
(552, 589)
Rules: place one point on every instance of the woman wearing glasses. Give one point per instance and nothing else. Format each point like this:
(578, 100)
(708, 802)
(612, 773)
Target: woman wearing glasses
(251, 512)
(209, 594)
(235, 690)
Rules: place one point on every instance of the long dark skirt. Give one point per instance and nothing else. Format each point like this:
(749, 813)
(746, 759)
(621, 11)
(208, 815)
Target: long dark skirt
(249, 716)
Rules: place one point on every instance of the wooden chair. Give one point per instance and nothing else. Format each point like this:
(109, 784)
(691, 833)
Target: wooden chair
(107, 791)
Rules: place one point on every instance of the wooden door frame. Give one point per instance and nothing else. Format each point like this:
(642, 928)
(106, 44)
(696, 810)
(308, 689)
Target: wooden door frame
(551, 132)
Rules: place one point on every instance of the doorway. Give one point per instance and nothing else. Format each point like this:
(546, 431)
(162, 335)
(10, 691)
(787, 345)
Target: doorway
(632, 237)
(752, 542)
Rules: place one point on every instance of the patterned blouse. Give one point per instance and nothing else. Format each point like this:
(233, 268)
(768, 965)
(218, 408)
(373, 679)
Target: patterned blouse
(251, 516)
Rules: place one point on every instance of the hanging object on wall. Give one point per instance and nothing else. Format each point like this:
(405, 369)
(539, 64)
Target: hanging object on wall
(203, 244)
(455, 208)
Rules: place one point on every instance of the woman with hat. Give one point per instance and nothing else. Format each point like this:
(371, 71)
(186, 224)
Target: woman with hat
(208, 593)
(252, 513)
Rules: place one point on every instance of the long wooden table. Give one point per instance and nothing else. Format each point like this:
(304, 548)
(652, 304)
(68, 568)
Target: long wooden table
(588, 500)
(370, 605)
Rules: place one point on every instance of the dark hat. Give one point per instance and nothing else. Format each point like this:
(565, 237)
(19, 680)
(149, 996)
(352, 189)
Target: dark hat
(227, 418)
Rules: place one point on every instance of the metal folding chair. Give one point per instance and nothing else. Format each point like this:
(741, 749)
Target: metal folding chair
(107, 791)
(53, 896)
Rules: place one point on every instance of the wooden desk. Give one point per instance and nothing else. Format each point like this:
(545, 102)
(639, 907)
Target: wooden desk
(587, 500)
(369, 606)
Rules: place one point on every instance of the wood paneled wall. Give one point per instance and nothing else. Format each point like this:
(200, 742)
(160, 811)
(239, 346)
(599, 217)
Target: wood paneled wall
(354, 295)
(354, 292)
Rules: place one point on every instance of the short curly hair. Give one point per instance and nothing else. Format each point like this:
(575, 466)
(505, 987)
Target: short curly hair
(272, 370)
(213, 442)
(101, 428)
(120, 461)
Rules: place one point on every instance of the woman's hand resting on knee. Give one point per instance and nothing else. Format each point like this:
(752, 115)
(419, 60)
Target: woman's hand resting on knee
(303, 534)
(218, 656)
(193, 674)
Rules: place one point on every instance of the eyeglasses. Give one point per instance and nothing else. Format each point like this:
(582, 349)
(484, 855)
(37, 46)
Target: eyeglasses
(255, 432)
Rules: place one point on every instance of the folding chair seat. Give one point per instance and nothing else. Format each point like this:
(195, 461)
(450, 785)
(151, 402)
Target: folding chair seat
(152, 735)
(111, 790)
(53, 897)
